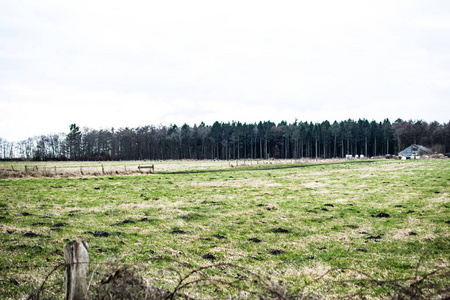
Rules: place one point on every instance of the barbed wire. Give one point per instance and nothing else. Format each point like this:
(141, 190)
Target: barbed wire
(407, 285)
(420, 286)
(28, 266)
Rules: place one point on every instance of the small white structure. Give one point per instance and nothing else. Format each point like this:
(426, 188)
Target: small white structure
(414, 151)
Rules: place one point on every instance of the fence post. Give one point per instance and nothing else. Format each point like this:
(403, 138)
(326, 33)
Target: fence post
(55, 170)
(103, 170)
(76, 274)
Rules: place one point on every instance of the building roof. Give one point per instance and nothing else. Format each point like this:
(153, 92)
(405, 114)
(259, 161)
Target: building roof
(415, 150)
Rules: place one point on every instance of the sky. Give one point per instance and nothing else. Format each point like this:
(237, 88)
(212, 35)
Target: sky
(103, 64)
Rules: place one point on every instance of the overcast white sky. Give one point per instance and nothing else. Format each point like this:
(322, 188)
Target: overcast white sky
(105, 64)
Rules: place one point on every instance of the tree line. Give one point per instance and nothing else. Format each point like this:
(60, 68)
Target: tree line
(233, 140)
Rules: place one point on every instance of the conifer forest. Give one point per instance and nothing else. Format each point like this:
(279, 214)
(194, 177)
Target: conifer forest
(233, 140)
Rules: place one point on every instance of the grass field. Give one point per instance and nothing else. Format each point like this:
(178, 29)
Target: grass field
(357, 226)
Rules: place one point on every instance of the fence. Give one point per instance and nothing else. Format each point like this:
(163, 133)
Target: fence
(51, 171)
(151, 168)
(77, 281)
(76, 274)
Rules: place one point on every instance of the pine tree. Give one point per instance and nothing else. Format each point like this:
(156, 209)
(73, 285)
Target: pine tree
(74, 142)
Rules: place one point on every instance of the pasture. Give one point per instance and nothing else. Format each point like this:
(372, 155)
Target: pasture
(362, 229)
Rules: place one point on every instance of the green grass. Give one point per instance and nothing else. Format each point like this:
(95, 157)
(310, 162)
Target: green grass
(329, 212)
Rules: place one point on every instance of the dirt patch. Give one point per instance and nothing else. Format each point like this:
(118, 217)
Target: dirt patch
(209, 257)
(124, 222)
(101, 233)
(272, 207)
(254, 240)
(147, 220)
(31, 234)
(280, 230)
(351, 226)
(39, 224)
(381, 215)
(374, 237)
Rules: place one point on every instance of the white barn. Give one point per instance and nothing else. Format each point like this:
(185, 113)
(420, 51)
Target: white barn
(414, 151)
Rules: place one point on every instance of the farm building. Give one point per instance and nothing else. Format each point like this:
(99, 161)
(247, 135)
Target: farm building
(414, 151)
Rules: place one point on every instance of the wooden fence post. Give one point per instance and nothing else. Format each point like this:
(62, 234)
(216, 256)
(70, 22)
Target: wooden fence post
(76, 274)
